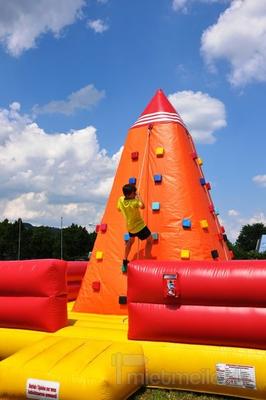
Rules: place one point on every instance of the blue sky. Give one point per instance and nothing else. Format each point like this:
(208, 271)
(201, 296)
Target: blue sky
(76, 74)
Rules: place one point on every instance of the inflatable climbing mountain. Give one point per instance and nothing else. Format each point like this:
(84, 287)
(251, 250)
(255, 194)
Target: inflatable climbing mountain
(160, 158)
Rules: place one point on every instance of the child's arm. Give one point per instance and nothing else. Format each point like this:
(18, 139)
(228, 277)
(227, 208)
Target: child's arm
(141, 202)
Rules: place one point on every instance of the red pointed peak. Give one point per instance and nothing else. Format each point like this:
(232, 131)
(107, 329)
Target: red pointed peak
(158, 110)
(159, 103)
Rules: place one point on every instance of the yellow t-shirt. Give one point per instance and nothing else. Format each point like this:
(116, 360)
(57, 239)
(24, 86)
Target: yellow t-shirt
(130, 210)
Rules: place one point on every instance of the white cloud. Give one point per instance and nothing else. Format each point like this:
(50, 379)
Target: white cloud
(84, 98)
(235, 222)
(179, 4)
(257, 218)
(202, 114)
(98, 25)
(44, 176)
(31, 205)
(23, 21)
(233, 213)
(182, 5)
(239, 36)
(260, 180)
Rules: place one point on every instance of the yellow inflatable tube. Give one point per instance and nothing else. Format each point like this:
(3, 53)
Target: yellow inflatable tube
(13, 340)
(115, 335)
(71, 368)
(212, 369)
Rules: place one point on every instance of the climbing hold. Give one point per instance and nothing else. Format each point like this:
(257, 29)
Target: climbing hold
(97, 228)
(214, 254)
(159, 151)
(99, 255)
(122, 299)
(155, 236)
(204, 224)
(157, 178)
(208, 186)
(185, 254)
(103, 228)
(186, 223)
(96, 286)
(202, 181)
(135, 155)
(155, 206)
(211, 208)
(126, 236)
(132, 181)
(220, 236)
(194, 155)
(199, 161)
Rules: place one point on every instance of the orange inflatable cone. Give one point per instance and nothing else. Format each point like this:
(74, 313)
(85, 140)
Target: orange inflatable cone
(159, 155)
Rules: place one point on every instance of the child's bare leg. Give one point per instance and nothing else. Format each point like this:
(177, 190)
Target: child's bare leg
(148, 247)
(129, 244)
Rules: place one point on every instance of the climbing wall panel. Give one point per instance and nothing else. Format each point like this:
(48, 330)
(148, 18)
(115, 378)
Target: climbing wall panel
(158, 145)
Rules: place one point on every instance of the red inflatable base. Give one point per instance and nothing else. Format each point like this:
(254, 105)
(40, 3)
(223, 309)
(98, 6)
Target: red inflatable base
(227, 326)
(201, 302)
(37, 313)
(33, 294)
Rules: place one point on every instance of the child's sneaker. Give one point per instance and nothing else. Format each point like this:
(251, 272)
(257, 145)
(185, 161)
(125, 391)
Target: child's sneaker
(124, 265)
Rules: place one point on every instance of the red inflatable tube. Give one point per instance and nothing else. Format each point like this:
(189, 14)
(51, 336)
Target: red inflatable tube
(38, 313)
(201, 302)
(76, 270)
(71, 286)
(72, 290)
(228, 283)
(32, 278)
(72, 295)
(226, 326)
(33, 294)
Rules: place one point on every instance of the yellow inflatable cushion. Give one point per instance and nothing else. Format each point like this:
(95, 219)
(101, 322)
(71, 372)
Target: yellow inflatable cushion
(71, 368)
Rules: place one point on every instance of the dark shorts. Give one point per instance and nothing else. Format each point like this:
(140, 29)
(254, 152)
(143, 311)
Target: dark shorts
(142, 235)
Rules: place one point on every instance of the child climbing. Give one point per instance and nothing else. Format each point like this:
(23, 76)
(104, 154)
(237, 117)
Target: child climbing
(129, 205)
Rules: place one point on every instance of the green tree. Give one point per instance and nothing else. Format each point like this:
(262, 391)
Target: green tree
(76, 243)
(245, 245)
(92, 238)
(249, 236)
(8, 240)
(43, 241)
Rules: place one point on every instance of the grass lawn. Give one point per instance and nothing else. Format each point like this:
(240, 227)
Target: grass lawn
(158, 394)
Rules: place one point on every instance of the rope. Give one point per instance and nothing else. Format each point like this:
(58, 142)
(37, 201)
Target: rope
(144, 157)
(216, 220)
(139, 179)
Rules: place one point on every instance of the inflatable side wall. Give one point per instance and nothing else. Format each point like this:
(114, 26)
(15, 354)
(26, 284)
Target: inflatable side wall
(33, 294)
(75, 272)
(198, 302)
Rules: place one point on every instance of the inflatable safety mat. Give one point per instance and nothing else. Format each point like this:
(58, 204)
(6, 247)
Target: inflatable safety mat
(71, 368)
